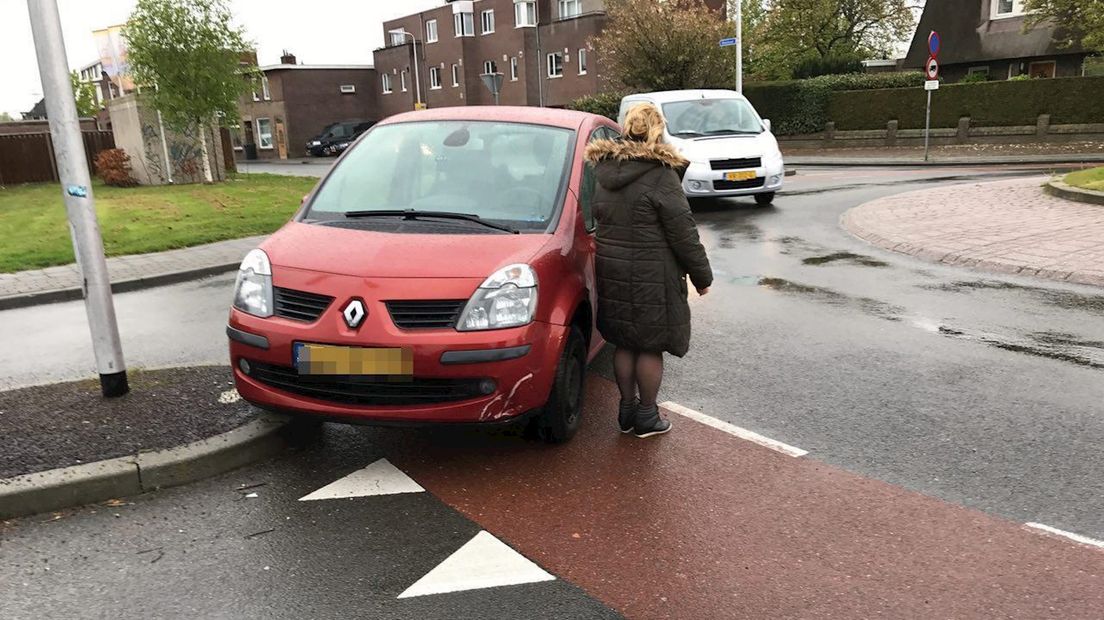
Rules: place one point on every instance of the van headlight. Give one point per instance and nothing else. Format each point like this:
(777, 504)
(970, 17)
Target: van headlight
(253, 289)
(506, 299)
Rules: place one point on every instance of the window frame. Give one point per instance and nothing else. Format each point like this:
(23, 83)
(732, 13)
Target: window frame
(548, 65)
(397, 32)
(578, 4)
(431, 38)
(402, 80)
(513, 68)
(455, 75)
(528, 8)
(484, 22)
(1017, 10)
(266, 92)
(582, 59)
(261, 134)
(435, 78)
(461, 23)
(490, 67)
(388, 86)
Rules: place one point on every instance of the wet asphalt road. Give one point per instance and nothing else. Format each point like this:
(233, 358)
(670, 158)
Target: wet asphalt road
(983, 390)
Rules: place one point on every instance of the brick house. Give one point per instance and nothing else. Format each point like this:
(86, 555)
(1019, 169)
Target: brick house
(293, 102)
(987, 36)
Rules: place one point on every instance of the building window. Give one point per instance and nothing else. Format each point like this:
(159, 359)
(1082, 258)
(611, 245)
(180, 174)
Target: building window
(398, 37)
(1008, 8)
(264, 133)
(555, 65)
(455, 75)
(1043, 69)
(982, 70)
(514, 69)
(264, 88)
(348, 89)
(402, 80)
(490, 67)
(431, 31)
(256, 93)
(386, 77)
(434, 78)
(582, 58)
(486, 19)
(525, 13)
(570, 8)
(464, 24)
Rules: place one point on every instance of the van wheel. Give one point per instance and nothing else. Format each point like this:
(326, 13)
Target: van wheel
(764, 199)
(564, 410)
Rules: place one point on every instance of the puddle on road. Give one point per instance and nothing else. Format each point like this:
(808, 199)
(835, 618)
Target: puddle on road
(847, 257)
(1051, 345)
(870, 306)
(1063, 299)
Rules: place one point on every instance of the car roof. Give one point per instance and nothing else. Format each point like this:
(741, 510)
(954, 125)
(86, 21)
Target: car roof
(668, 96)
(568, 119)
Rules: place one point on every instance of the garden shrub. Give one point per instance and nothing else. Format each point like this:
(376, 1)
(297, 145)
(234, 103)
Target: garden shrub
(113, 167)
(602, 104)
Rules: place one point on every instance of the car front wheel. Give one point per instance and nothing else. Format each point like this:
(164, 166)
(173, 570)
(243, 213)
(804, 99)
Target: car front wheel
(563, 412)
(764, 199)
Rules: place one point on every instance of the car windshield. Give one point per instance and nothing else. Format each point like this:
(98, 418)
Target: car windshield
(711, 117)
(509, 173)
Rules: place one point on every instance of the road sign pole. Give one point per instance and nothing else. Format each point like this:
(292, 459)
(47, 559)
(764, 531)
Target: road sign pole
(76, 184)
(740, 46)
(927, 128)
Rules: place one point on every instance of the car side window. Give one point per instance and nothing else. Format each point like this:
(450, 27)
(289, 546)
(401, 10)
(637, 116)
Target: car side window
(589, 184)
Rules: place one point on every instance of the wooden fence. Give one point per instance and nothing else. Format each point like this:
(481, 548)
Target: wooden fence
(29, 158)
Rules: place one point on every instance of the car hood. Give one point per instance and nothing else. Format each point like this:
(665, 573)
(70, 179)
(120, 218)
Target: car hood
(370, 254)
(726, 147)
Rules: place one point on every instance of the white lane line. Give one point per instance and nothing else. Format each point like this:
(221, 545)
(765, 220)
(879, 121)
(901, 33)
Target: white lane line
(1084, 540)
(483, 562)
(735, 431)
(379, 478)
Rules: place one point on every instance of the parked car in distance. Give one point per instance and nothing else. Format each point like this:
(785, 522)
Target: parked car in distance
(730, 147)
(336, 137)
(441, 272)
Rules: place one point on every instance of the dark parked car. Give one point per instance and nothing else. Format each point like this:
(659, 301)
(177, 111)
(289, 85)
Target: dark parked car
(337, 137)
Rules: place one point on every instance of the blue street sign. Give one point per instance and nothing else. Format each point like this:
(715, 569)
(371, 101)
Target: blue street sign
(729, 42)
(935, 43)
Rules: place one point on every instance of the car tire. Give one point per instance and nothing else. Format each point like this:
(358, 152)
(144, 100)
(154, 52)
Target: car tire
(563, 412)
(764, 199)
(303, 429)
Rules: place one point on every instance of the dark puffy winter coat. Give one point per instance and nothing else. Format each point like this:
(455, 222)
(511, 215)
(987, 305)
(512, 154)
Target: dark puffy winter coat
(647, 244)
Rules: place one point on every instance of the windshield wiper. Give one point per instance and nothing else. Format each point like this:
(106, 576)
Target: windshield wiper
(413, 214)
(735, 132)
(689, 134)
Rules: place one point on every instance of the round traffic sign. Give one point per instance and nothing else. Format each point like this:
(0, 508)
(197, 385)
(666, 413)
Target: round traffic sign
(932, 68)
(935, 43)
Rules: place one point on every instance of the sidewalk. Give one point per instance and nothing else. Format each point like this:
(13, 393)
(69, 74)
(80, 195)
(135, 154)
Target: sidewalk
(53, 284)
(955, 155)
(1007, 227)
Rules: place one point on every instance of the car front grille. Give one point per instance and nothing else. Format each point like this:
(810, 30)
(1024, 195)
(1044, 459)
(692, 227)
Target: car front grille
(364, 390)
(298, 305)
(420, 314)
(736, 164)
(748, 184)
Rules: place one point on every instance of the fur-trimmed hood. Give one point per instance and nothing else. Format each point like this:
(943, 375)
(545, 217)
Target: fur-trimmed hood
(620, 162)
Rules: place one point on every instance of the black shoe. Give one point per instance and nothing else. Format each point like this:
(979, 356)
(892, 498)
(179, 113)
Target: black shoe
(626, 417)
(649, 423)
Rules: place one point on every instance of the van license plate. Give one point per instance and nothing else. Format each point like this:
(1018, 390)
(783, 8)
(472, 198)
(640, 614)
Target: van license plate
(323, 359)
(742, 175)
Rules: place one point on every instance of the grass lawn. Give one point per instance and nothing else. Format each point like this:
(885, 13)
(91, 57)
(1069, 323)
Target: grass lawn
(34, 232)
(1092, 178)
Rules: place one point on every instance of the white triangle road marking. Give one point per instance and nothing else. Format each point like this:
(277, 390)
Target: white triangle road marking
(379, 478)
(483, 562)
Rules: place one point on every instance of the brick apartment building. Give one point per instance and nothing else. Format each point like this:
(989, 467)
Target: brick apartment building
(293, 102)
(543, 48)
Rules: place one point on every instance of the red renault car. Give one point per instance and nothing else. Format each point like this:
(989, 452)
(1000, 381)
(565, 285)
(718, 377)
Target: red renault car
(442, 272)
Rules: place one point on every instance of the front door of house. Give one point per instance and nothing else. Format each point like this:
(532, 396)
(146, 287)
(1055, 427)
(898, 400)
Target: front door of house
(281, 138)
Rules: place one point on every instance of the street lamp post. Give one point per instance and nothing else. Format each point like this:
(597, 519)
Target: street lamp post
(76, 186)
(740, 46)
(417, 77)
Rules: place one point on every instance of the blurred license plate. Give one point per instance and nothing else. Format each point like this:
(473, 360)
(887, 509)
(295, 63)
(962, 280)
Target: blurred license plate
(323, 359)
(742, 175)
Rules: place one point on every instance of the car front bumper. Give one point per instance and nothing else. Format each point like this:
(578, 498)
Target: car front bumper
(701, 181)
(521, 362)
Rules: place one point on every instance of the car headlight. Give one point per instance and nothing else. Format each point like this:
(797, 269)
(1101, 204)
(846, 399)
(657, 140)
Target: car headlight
(506, 299)
(315, 143)
(253, 289)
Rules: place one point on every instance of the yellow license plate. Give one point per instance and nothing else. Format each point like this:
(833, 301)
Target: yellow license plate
(323, 359)
(742, 175)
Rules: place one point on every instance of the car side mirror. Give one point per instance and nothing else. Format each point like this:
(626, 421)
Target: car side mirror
(304, 200)
(766, 124)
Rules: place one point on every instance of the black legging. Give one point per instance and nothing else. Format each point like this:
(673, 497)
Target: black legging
(635, 370)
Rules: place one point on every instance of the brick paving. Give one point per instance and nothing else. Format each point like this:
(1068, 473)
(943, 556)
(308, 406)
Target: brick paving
(1008, 227)
(127, 272)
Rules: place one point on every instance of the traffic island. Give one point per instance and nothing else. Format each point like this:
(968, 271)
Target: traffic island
(64, 445)
(1011, 227)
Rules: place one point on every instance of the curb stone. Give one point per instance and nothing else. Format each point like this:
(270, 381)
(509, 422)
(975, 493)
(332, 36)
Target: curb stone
(1069, 192)
(146, 471)
(832, 162)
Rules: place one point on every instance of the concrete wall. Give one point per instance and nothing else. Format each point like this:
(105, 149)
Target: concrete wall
(137, 131)
(8, 128)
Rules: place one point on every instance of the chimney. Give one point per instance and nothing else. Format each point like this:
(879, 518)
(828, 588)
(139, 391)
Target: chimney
(287, 58)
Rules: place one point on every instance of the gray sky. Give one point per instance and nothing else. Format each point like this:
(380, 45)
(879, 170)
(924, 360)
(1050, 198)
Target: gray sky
(316, 31)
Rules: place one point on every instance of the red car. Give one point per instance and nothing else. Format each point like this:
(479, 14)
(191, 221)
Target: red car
(442, 272)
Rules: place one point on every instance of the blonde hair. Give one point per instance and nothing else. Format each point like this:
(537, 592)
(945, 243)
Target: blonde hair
(645, 124)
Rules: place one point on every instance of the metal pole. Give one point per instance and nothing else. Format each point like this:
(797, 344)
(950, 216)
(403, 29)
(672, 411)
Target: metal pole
(927, 127)
(540, 61)
(77, 194)
(417, 78)
(740, 46)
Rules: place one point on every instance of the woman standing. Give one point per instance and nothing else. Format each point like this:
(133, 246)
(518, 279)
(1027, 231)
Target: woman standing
(647, 244)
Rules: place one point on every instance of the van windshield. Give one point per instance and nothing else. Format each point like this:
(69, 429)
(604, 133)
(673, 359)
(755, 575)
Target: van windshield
(512, 174)
(711, 117)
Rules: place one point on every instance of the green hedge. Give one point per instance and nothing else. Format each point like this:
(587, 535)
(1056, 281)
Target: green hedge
(988, 104)
(603, 104)
(801, 106)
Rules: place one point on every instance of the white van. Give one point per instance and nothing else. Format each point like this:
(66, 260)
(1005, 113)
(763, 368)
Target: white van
(731, 149)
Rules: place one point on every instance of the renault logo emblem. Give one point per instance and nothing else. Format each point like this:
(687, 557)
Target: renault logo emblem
(354, 313)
